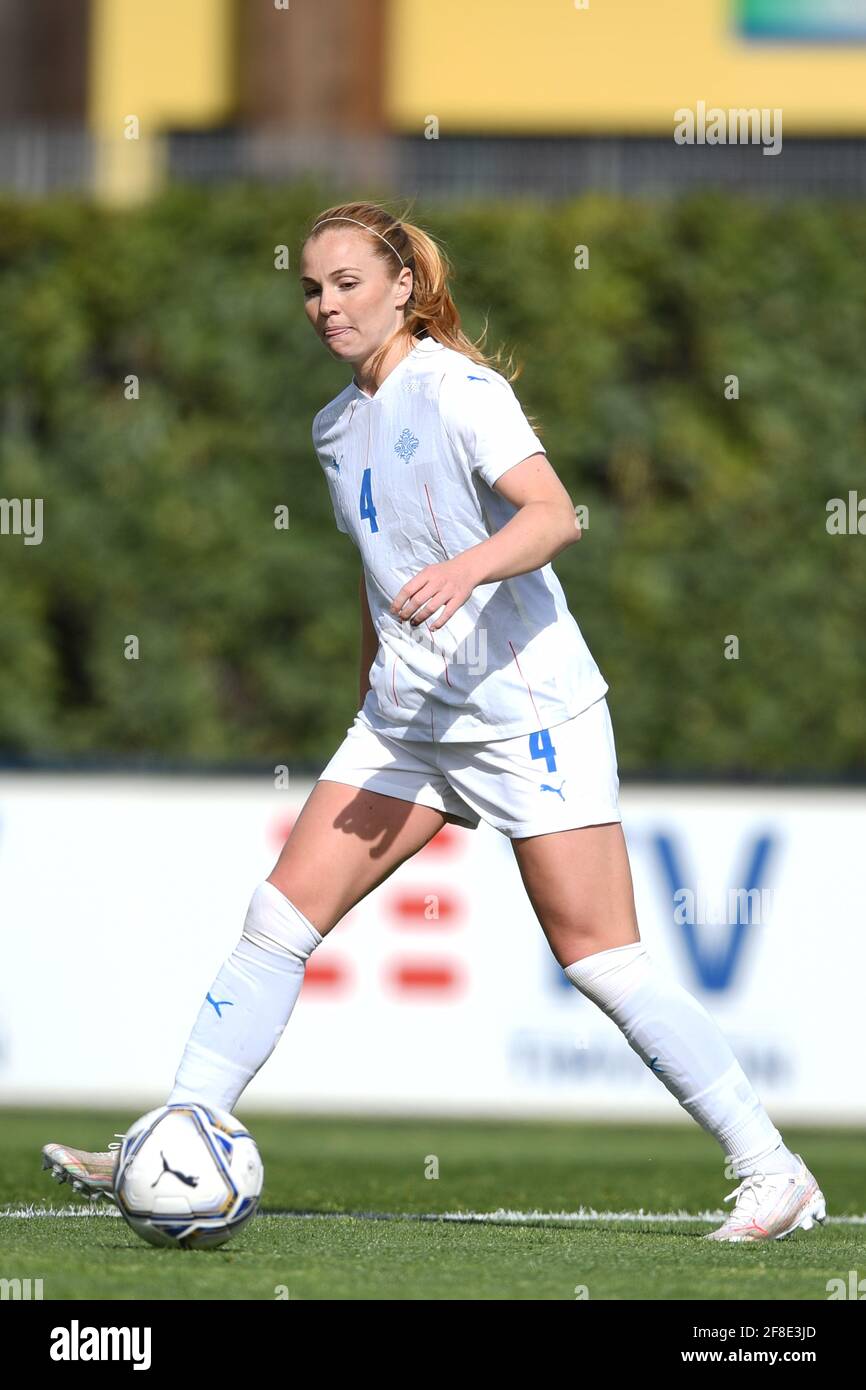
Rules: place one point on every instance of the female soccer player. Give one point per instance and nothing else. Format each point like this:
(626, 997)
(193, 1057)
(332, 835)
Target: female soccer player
(479, 699)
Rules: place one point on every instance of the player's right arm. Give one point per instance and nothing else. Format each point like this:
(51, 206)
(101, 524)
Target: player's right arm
(369, 643)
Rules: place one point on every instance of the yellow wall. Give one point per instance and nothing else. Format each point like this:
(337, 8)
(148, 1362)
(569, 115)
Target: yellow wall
(621, 65)
(167, 62)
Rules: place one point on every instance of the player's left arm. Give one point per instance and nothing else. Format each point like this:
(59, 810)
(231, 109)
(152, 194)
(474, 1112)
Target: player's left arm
(543, 525)
(550, 524)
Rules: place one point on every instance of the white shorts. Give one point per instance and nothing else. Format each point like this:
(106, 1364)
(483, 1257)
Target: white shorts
(534, 784)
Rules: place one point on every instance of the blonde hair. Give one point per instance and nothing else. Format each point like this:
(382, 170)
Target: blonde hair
(430, 311)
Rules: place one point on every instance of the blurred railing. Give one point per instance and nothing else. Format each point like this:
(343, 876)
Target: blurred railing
(36, 160)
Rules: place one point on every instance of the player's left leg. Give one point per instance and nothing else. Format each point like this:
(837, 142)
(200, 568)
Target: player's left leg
(579, 883)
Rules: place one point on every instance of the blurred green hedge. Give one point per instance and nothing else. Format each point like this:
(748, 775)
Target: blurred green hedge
(707, 515)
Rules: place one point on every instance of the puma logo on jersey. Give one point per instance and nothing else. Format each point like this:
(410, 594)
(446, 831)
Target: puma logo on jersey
(546, 787)
(470, 377)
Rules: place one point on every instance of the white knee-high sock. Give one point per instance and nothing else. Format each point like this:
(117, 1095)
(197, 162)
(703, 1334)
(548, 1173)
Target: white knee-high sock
(249, 1003)
(673, 1033)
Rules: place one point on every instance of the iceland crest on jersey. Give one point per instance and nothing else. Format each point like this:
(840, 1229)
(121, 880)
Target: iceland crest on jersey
(406, 445)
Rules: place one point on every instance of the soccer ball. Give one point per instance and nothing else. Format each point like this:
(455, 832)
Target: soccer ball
(188, 1175)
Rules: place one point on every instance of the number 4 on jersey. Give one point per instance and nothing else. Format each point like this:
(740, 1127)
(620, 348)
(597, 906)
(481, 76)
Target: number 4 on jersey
(540, 746)
(367, 508)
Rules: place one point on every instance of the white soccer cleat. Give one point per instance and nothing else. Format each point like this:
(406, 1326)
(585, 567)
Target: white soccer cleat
(91, 1174)
(772, 1205)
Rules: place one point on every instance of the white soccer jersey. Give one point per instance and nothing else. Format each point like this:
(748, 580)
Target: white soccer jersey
(411, 473)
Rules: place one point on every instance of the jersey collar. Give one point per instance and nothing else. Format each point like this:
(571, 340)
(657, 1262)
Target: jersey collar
(420, 350)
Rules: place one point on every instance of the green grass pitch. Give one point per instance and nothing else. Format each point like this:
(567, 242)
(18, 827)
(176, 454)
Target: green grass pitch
(328, 1179)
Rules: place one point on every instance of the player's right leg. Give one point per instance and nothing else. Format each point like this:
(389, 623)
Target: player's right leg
(345, 842)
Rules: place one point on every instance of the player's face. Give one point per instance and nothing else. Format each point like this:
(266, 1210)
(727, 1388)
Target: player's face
(351, 300)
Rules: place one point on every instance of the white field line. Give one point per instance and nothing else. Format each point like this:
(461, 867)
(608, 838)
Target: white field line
(503, 1217)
